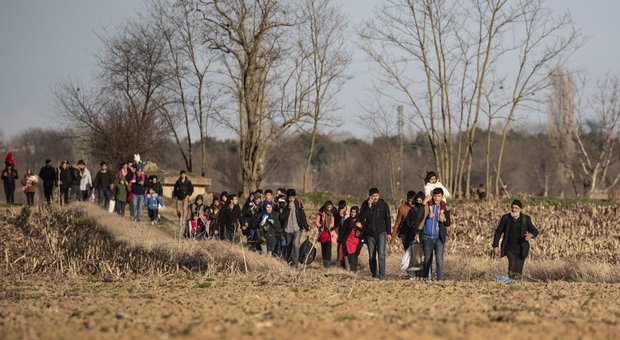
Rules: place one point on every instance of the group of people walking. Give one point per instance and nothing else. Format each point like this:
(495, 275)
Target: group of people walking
(275, 223)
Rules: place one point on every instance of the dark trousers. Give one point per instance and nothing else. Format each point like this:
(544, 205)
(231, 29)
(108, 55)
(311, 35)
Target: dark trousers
(30, 198)
(515, 264)
(64, 192)
(85, 195)
(9, 190)
(352, 258)
(326, 253)
(152, 214)
(119, 207)
(48, 191)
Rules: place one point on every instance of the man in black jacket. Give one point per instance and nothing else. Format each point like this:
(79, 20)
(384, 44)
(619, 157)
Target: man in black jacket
(294, 222)
(103, 183)
(518, 230)
(231, 219)
(376, 222)
(50, 178)
(183, 189)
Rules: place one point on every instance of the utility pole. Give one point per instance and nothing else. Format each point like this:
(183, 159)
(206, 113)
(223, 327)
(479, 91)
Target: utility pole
(401, 137)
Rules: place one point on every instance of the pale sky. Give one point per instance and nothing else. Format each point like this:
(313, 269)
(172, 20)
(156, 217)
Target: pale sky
(44, 41)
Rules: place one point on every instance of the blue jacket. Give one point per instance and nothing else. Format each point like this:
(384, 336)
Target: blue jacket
(152, 202)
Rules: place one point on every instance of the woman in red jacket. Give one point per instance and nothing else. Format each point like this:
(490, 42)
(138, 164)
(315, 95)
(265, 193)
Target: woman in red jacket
(325, 225)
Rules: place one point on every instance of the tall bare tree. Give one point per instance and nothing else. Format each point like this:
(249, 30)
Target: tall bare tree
(322, 34)
(254, 41)
(440, 58)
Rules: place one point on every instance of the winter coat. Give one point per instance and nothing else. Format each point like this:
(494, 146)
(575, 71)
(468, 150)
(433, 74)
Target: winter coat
(400, 226)
(376, 219)
(523, 225)
(121, 191)
(327, 233)
(153, 201)
(348, 237)
(156, 187)
(66, 178)
(429, 187)
(9, 175)
(103, 179)
(86, 182)
(49, 176)
(414, 222)
(30, 183)
(299, 213)
(230, 217)
(183, 189)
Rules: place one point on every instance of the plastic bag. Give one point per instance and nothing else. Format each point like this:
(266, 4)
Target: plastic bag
(417, 257)
(111, 206)
(406, 259)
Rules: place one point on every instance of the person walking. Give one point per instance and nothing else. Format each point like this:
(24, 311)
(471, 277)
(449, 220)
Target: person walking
(231, 218)
(434, 232)
(121, 191)
(9, 177)
(376, 222)
(138, 190)
(400, 228)
(104, 182)
(29, 183)
(183, 189)
(350, 239)
(86, 181)
(293, 220)
(518, 231)
(49, 176)
(66, 181)
(325, 225)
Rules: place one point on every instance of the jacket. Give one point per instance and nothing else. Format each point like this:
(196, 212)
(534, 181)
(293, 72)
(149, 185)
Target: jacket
(30, 183)
(103, 179)
(9, 175)
(66, 178)
(299, 213)
(414, 222)
(156, 187)
(121, 191)
(183, 189)
(229, 217)
(400, 226)
(153, 201)
(376, 219)
(523, 225)
(48, 175)
(443, 230)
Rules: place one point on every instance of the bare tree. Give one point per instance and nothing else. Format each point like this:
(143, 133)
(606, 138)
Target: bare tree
(121, 115)
(254, 41)
(440, 58)
(590, 156)
(322, 35)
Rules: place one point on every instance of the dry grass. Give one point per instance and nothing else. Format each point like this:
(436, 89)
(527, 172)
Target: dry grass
(85, 240)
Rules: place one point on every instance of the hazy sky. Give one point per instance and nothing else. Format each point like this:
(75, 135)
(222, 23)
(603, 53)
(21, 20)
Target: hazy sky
(43, 41)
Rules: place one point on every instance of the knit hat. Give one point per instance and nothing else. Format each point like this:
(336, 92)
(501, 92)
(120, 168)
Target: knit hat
(517, 203)
(373, 191)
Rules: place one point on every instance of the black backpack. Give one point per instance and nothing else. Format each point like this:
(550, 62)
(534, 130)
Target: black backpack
(307, 252)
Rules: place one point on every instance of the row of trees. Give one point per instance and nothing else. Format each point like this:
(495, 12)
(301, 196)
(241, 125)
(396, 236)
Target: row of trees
(270, 71)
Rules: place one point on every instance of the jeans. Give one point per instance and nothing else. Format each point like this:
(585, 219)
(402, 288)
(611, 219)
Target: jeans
(137, 202)
(9, 190)
(376, 246)
(281, 248)
(431, 245)
(293, 241)
(104, 197)
(253, 238)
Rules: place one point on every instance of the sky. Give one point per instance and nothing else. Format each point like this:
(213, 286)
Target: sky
(45, 41)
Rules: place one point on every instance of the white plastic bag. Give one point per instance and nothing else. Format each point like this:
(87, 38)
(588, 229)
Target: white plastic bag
(406, 259)
(111, 206)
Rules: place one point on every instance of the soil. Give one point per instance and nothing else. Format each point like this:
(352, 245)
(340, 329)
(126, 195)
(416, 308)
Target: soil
(317, 303)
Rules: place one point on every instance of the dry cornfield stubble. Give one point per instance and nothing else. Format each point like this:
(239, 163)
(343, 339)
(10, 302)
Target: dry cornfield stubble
(82, 272)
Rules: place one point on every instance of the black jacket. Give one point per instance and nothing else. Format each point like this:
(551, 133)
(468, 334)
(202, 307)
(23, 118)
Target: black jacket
(230, 217)
(299, 213)
(156, 187)
(414, 218)
(66, 178)
(376, 219)
(523, 225)
(48, 175)
(103, 179)
(9, 176)
(347, 226)
(183, 189)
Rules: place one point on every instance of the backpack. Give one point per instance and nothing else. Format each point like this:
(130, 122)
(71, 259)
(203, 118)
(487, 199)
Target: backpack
(307, 252)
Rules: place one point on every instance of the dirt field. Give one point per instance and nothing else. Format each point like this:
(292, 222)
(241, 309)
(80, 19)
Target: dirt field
(55, 299)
